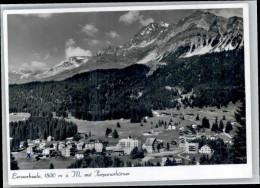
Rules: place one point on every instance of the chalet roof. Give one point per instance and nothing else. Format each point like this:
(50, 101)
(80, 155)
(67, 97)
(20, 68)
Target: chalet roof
(150, 141)
(115, 148)
(206, 145)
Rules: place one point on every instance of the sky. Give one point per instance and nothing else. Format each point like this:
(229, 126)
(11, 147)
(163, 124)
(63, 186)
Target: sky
(40, 41)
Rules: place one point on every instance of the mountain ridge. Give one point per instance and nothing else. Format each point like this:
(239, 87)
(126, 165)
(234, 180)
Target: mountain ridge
(197, 34)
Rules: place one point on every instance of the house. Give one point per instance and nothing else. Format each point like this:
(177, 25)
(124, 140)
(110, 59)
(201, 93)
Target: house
(65, 152)
(83, 135)
(150, 145)
(60, 146)
(98, 145)
(110, 135)
(49, 138)
(205, 149)
(21, 144)
(182, 143)
(42, 145)
(178, 161)
(171, 127)
(80, 154)
(212, 137)
(128, 144)
(30, 150)
(117, 150)
(55, 146)
(47, 151)
(80, 146)
(89, 145)
(194, 126)
(191, 147)
(37, 141)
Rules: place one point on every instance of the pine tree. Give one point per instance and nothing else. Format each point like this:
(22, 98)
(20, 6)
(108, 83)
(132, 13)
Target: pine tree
(221, 126)
(14, 163)
(118, 125)
(228, 127)
(51, 166)
(239, 140)
(115, 134)
(224, 117)
(168, 146)
(128, 164)
(197, 117)
(205, 123)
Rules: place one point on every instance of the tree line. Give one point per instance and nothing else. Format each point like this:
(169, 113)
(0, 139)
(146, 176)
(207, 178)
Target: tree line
(40, 127)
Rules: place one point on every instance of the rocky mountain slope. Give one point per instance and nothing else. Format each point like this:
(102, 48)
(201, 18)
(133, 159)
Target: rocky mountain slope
(156, 45)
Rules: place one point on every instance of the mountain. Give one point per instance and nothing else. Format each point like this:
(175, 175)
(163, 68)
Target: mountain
(159, 43)
(129, 92)
(23, 76)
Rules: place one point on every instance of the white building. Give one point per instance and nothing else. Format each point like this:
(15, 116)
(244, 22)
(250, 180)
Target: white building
(47, 151)
(128, 144)
(42, 145)
(65, 152)
(171, 127)
(194, 126)
(60, 146)
(49, 138)
(80, 154)
(30, 149)
(80, 146)
(37, 141)
(205, 149)
(98, 145)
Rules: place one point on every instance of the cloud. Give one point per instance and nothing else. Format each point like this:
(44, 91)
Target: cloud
(40, 57)
(72, 50)
(92, 42)
(135, 16)
(89, 29)
(34, 65)
(227, 13)
(147, 21)
(113, 34)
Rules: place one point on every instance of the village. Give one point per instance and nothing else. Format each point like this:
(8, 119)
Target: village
(182, 149)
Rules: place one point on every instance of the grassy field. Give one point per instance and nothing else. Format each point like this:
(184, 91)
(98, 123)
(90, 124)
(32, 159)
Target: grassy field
(25, 163)
(98, 128)
(18, 116)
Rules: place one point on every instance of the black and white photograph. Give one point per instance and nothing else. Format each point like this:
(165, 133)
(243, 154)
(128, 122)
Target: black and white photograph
(126, 89)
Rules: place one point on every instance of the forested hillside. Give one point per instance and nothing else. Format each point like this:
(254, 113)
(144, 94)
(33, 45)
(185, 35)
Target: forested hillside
(40, 127)
(210, 80)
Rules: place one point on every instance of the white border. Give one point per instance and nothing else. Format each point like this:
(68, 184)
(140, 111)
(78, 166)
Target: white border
(142, 173)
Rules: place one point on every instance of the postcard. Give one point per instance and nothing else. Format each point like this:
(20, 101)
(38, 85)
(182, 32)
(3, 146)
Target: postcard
(127, 93)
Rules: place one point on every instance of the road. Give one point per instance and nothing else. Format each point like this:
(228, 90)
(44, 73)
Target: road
(162, 154)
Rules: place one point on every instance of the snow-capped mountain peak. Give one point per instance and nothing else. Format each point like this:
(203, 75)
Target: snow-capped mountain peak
(155, 44)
